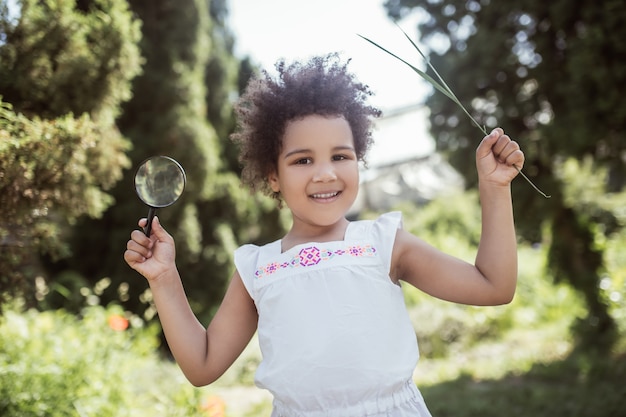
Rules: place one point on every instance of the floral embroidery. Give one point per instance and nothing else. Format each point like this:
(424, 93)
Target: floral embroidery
(309, 256)
(312, 255)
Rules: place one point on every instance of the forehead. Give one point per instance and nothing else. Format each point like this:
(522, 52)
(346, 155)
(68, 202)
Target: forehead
(316, 130)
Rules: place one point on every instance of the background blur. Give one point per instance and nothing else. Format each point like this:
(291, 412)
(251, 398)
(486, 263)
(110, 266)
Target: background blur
(89, 89)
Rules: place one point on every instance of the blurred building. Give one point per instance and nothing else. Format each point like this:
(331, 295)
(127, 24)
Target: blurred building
(403, 165)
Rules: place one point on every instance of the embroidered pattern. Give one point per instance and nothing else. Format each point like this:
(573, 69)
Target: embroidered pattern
(313, 255)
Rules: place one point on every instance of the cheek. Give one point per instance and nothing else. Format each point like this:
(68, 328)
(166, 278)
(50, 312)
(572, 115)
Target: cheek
(351, 172)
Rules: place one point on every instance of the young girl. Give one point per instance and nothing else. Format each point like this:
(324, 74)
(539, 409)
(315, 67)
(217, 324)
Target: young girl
(326, 299)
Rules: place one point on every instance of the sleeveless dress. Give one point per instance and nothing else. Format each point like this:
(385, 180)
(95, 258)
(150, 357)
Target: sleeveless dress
(334, 332)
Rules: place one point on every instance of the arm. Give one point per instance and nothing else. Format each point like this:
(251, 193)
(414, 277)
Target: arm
(493, 277)
(202, 354)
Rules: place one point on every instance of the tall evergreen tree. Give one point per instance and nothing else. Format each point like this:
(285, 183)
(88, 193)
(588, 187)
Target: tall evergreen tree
(182, 107)
(551, 74)
(64, 72)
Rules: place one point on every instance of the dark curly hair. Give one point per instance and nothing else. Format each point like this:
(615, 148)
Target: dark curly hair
(321, 86)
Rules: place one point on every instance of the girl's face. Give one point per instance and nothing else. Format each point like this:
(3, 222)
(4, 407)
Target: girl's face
(317, 170)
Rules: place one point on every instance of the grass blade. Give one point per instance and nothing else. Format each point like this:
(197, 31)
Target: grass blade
(421, 73)
(443, 87)
(450, 94)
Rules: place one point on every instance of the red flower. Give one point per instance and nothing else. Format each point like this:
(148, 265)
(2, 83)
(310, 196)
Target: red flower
(213, 406)
(118, 323)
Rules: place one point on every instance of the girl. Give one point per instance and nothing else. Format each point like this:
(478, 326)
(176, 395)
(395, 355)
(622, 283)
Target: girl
(326, 298)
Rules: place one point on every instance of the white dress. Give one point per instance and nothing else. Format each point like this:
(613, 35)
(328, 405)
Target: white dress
(334, 333)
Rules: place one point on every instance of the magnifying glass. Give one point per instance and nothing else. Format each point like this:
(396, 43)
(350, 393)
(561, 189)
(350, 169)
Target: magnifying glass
(159, 182)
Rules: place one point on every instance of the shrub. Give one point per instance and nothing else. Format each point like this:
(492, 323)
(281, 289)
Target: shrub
(452, 224)
(100, 364)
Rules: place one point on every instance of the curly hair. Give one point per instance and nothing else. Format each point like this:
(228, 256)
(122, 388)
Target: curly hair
(321, 86)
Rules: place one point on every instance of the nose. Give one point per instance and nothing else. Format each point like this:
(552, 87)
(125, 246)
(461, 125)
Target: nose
(325, 173)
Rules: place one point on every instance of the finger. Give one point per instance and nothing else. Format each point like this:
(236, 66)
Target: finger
(142, 250)
(142, 222)
(500, 144)
(515, 158)
(507, 151)
(132, 257)
(486, 145)
(141, 238)
(504, 147)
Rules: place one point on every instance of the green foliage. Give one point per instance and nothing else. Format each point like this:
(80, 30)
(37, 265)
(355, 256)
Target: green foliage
(575, 386)
(594, 216)
(53, 172)
(516, 359)
(260, 409)
(452, 224)
(55, 364)
(510, 360)
(63, 163)
(59, 59)
(181, 108)
(613, 284)
(546, 72)
(454, 216)
(64, 72)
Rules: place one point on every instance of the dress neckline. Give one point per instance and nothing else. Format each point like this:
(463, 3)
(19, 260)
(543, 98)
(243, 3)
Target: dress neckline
(277, 245)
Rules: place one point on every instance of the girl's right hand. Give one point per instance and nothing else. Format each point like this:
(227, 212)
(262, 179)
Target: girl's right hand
(151, 256)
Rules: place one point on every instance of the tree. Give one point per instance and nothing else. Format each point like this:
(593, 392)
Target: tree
(551, 74)
(182, 107)
(63, 74)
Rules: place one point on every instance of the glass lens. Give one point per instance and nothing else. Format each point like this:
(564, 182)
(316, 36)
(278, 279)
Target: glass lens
(160, 181)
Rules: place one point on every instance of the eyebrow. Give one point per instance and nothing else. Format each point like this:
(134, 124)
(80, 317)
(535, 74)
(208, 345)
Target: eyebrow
(336, 148)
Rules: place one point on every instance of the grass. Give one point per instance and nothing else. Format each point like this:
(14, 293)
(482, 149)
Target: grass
(575, 386)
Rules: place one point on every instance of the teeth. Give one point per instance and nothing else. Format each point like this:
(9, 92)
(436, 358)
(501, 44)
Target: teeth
(325, 195)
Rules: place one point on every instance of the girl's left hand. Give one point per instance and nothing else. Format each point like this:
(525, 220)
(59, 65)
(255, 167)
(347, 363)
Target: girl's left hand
(497, 157)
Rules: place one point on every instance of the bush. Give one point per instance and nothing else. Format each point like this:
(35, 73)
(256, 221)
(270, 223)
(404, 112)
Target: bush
(452, 224)
(55, 364)
(53, 172)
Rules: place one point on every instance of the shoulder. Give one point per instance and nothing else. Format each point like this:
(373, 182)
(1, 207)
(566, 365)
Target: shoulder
(246, 250)
(247, 258)
(381, 232)
(390, 221)
(250, 248)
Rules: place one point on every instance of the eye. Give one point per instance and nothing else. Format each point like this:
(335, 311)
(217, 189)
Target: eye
(340, 157)
(303, 161)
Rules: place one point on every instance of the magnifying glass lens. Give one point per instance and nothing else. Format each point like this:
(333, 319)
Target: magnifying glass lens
(159, 182)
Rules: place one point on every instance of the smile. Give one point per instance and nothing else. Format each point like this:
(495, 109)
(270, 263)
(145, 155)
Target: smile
(325, 195)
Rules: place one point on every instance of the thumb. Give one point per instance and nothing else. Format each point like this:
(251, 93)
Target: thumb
(158, 230)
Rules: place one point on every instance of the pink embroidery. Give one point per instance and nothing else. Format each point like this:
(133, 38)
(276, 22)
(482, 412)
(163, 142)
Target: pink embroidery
(313, 255)
(309, 256)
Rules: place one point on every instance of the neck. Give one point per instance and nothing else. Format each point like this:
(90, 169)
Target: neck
(314, 233)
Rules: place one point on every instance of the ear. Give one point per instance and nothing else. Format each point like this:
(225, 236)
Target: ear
(272, 180)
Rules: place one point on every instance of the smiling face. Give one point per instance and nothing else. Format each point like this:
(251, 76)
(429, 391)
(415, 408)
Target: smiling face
(317, 171)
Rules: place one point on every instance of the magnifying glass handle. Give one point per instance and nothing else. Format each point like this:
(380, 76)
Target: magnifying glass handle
(148, 227)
